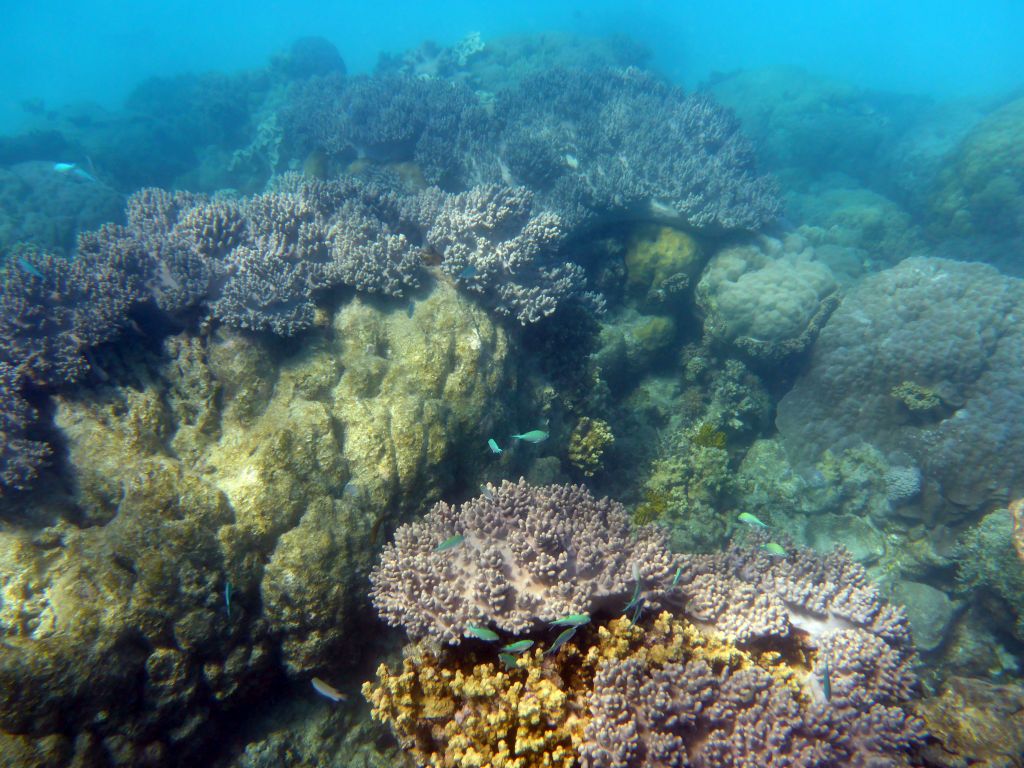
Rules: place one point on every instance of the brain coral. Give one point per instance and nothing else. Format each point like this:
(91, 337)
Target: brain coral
(948, 326)
(769, 299)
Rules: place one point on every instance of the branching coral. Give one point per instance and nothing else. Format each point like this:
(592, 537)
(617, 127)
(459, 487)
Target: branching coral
(734, 677)
(526, 555)
(493, 243)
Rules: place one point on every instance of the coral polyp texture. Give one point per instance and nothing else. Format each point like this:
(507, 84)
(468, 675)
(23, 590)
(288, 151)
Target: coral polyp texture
(948, 327)
(757, 660)
(524, 555)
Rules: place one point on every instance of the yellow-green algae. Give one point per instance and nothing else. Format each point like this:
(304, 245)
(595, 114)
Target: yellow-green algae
(228, 460)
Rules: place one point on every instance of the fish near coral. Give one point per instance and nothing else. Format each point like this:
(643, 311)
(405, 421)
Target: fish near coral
(450, 543)
(533, 436)
(482, 633)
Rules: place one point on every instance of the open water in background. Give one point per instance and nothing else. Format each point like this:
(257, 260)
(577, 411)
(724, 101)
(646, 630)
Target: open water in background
(70, 51)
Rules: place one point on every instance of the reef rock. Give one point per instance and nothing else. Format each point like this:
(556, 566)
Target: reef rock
(227, 496)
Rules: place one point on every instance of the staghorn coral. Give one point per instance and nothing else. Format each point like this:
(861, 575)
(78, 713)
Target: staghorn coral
(529, 555)
(52, 310)
(588, 441)
(493, 243)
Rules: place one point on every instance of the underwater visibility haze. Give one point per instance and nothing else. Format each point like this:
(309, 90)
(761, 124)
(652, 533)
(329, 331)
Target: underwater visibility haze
(612, 385)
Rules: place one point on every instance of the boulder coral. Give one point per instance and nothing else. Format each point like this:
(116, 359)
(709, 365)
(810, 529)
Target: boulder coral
(981, 188)
(768, 299)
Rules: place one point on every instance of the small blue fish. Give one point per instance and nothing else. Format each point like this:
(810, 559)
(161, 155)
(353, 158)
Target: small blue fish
(25, 266)
(826, 682)
(679, 572)
(636, 590)
(487, 493)
(572, 620)
(72, 168)
(637, 612)
(751, 520)
(520, 646)
(351, 489)
(774, 549)
(508, 660)
(482, 633)
(561, 640)
(467, 273)
(411, 309)
(493, 445)
(450, 543)
(227, 598)
(533, 436)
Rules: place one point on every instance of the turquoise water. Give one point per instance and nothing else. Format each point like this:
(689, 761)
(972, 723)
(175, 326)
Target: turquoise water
(476, 384)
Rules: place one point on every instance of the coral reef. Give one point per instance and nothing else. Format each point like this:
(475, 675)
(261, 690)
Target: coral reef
(988, 566)
(20, 456)
(769, 299)
(225, 502)
(981, 187)
(946, 324)
(619, 143)
(973, 722)
(52, 310)
(47, 208)
(661, 262)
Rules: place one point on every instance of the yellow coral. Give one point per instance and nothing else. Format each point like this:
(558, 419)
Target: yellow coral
(587, 444)
(652, 508)
(916, 397)
(707, 436)
(660, 261)
(458, 709)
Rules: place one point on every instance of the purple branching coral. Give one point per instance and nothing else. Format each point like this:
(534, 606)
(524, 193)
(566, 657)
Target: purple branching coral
(53, 310)
(257, 263)
(748, 594)
(493, 244)
(685, 715)
(529, 555)
(20, 457)
(622, 144)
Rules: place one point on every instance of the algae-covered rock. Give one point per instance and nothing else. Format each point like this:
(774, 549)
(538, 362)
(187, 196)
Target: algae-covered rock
(661, 263)
(226, 500)
(989, 568)
(929, 610)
